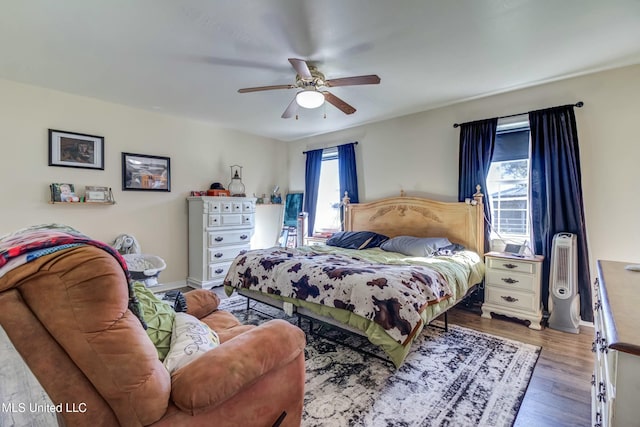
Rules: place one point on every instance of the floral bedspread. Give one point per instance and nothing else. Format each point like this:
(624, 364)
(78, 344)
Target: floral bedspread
(393, 296)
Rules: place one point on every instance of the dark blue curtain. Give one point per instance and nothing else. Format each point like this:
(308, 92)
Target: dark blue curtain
(311, 184)
(556, 194)
(347, 171)
(477, 142)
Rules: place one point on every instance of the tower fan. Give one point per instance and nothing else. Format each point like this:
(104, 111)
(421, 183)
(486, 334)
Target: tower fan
(564, 301)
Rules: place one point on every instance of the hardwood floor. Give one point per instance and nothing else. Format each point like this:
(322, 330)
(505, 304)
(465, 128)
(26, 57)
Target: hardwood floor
(558, 394)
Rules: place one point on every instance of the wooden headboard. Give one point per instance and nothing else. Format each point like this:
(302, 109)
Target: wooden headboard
(413, 216)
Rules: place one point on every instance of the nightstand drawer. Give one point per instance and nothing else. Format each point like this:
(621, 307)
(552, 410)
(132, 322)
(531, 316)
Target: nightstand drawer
(511, 280)
(511, 265)
(511, 298)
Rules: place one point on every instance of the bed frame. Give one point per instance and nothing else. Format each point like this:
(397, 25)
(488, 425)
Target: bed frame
(460, 222)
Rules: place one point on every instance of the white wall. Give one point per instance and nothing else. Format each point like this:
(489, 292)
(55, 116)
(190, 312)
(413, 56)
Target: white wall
(419, 153)
(200, 154)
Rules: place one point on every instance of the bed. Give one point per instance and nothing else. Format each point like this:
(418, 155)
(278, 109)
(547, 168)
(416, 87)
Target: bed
(389, 297)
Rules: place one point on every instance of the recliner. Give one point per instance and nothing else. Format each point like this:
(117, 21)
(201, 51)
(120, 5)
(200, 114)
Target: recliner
(67, 315)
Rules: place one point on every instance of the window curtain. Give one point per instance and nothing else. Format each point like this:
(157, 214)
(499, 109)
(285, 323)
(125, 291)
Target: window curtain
(556, 194)
(477, 142)
(311, 185)
(347, 171)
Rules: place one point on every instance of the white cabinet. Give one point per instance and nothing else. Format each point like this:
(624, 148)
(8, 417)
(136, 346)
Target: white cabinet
(220, 228)
(512, 287)
(616, 378)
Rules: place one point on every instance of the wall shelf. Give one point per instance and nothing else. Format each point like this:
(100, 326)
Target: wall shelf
(82, 203)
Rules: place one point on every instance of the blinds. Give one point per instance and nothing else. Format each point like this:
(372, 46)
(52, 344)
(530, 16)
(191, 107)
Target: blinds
(511, 145)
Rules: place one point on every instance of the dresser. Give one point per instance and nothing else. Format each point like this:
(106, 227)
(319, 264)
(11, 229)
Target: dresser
(616, 316)
(512, 287)
(220, 228)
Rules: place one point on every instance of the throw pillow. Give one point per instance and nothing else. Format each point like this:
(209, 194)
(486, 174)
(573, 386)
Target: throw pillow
(415, 246)
(191, 339)
(356, 239)
(159, 317)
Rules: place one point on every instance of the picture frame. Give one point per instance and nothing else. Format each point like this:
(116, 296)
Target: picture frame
(63, 192)
(76, 150)
(143, 172)
(97, 194)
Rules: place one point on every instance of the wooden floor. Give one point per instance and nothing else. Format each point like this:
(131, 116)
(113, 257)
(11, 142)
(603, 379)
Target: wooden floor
(558, 394)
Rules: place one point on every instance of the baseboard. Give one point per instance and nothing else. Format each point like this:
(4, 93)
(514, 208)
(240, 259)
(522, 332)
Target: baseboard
(587, 324)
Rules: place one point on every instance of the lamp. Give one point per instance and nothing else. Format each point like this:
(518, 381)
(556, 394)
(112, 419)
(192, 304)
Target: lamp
(310, 98)
(236, 187)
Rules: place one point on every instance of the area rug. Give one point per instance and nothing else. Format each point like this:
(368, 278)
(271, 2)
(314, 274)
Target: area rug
(457, 378)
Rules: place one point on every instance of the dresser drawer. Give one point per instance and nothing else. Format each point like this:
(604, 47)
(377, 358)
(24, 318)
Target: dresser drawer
(511, 298)
(225, 253)
(248, 206)
(219, 270)
(224, 238)
(511, 280)
(511, 265)
(230, 219)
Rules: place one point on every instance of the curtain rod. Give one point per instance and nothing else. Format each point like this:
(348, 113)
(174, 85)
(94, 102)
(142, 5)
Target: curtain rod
(335, 146)
(578, 104)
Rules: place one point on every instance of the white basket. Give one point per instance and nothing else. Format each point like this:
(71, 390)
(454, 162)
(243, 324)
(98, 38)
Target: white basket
(144, 266)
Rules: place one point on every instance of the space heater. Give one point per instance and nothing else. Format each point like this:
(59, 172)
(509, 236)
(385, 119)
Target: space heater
(564, 301)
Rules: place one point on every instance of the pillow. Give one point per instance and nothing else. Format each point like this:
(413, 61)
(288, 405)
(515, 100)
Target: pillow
(191, 339)
(159, 318)
(415, 246)
(356, 239)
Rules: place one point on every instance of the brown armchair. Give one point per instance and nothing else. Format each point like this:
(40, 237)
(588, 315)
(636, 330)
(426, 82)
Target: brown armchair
(66, 313)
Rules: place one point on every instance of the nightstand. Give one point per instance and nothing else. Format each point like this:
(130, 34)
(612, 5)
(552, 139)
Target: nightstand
(512, 287)
(314, 241)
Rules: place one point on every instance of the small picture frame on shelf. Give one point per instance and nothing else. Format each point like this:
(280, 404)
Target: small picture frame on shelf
(62, 192)
(97, 194)
(75, 150)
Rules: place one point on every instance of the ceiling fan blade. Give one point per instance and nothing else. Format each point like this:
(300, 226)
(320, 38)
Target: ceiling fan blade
(259, 88)
(291, 109)
(370, 79)
(338, 103)
(301, 67)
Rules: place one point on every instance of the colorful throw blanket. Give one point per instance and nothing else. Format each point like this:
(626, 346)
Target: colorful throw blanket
(392, 296)
(30, 243)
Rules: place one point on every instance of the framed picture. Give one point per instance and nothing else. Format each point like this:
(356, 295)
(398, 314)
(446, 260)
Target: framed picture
(141, 172)
(75, 150)
(97, 194)
(61, 192)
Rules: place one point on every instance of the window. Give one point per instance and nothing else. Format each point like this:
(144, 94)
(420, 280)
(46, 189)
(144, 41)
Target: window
(328, 207)
(508, 181)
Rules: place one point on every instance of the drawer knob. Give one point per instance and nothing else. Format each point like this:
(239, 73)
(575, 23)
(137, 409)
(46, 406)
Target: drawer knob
(219, 239)
(218, 255)
(509, 298)
(597, 306)
(510, 265)
(244, 237)
(509, 280)
(219, 270)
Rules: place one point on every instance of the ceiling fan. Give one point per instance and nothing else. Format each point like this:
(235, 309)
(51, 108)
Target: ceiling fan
(312, 95)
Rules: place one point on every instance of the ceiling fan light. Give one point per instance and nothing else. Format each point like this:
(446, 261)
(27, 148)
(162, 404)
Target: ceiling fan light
(310, 99)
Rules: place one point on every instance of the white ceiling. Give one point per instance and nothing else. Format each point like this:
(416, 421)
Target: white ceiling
(188, 57)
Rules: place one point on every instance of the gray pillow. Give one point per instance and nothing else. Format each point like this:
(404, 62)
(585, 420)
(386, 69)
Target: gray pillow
(415, 246)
